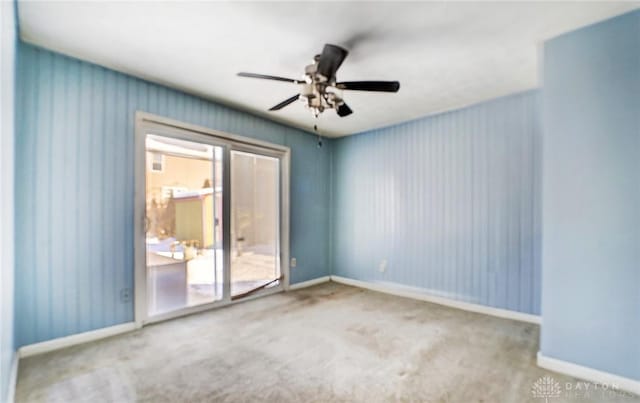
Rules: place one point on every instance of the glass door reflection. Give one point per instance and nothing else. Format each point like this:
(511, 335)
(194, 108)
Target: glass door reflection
(184, 223)
(255, 223)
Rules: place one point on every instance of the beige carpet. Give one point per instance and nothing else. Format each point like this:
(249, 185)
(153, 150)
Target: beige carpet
(320, 344)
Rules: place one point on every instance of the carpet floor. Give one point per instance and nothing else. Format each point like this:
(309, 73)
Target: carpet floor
(328, 343)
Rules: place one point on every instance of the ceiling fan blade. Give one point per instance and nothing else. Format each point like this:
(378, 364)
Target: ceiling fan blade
(285, 102)
(266, 77)
(344, 110)
(384, 86)
(330, 60)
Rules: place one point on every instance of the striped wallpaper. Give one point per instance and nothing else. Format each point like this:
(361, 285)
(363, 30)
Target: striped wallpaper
(451, 203)
(591, 197)
(75, 187)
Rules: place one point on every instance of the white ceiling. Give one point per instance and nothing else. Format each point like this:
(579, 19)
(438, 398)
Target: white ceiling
(445, 55)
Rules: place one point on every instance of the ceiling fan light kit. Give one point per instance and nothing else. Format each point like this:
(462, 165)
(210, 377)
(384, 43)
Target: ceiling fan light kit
(319, 88)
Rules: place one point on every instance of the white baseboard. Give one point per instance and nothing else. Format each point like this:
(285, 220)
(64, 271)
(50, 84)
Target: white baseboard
(422, 295)
(13, 379)
(589, 374)
(309, 283)
(80, 338)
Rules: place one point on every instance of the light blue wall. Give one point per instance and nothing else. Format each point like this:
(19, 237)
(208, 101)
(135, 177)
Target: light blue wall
(75, 187)
(450, 201)
(7, 132)
(591, 203)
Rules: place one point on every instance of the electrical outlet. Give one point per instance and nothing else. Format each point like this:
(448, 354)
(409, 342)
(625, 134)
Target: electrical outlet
(125, 295)
(383, 266)
(294, 262)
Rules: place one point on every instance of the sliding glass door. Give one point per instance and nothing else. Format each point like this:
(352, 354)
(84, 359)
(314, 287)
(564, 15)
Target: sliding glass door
(214, 212)
(184, 223)
(255, 223)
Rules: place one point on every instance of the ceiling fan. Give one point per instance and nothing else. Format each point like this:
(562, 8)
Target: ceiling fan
(320, 88)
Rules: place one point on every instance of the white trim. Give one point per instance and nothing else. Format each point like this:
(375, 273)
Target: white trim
(588, 374)
(13, 379)
(139, 225)
(80, 338)
(285, 216)
(423, 295)
(309, 283)
(160, 121)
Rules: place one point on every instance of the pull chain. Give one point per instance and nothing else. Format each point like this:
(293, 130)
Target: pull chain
(315, 127)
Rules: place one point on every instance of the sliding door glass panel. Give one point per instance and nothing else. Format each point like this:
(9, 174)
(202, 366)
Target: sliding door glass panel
(184, 223)
(255, 223)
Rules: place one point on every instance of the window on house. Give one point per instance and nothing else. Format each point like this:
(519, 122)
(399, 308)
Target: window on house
(157, 162)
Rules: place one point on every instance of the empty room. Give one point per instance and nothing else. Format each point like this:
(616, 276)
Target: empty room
(207, 201)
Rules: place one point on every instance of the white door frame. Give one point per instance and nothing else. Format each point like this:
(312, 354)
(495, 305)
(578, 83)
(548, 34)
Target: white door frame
(147, 123)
